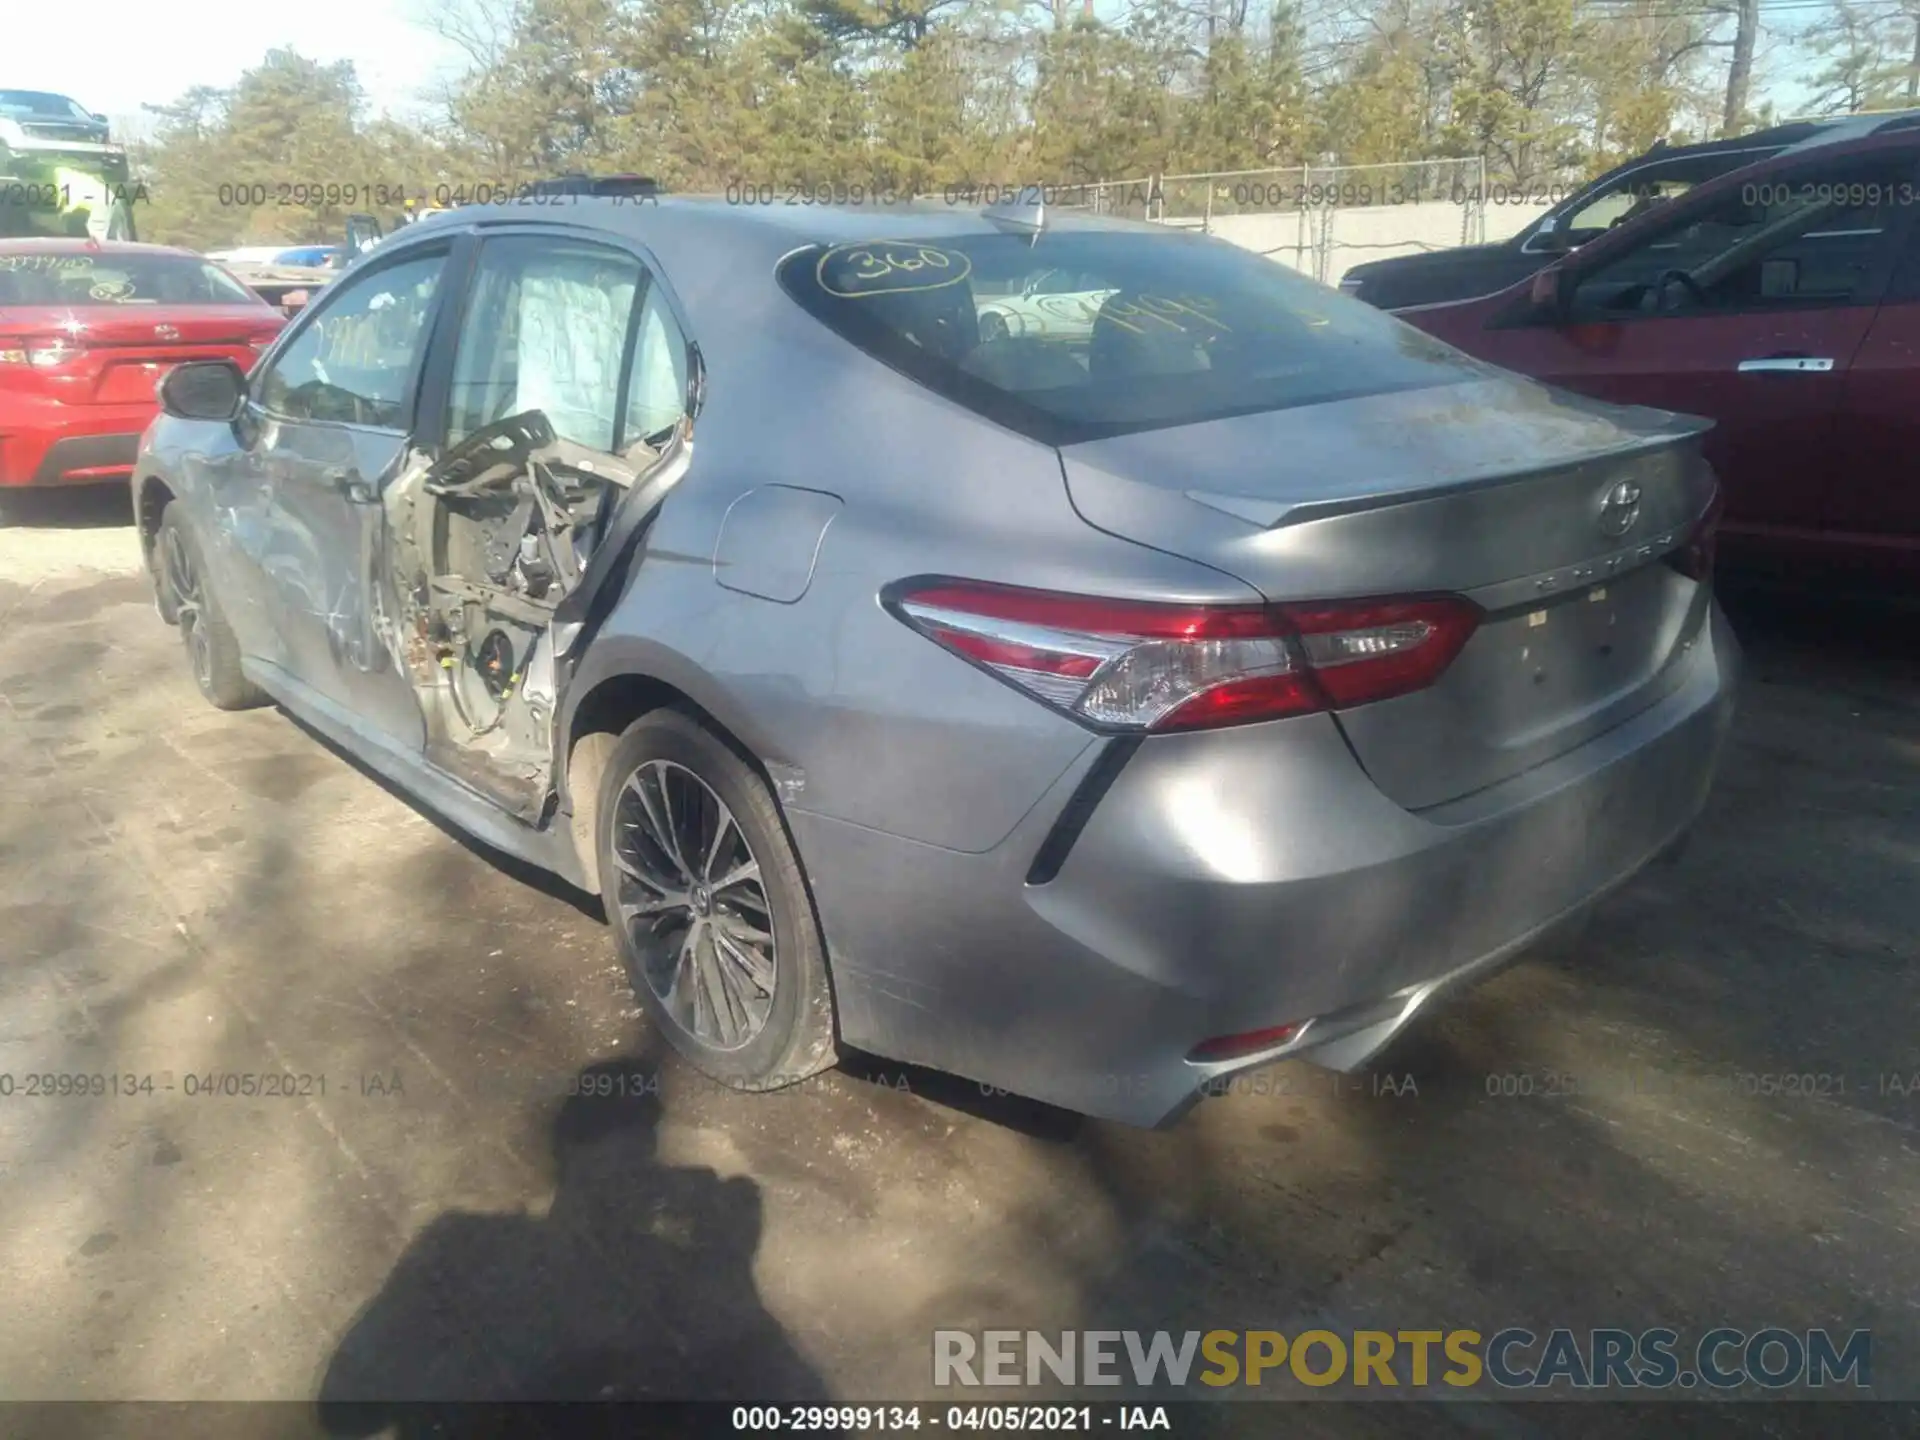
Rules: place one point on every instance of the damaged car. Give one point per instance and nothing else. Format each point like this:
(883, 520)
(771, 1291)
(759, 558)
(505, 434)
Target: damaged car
(1092, 714)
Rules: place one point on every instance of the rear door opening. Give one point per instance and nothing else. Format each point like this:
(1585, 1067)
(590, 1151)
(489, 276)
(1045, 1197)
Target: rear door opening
(566, 424)
(489, 552)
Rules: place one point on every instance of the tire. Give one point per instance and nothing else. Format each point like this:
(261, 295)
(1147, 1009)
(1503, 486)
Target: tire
(164, 603)
(213, 655)
(754, 1016)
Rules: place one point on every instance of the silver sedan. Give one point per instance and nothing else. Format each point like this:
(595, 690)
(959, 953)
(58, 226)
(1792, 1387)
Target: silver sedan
(1094, 715)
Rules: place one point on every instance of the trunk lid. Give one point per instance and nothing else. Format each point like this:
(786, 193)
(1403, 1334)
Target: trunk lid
(116, 354)
(1497, 489)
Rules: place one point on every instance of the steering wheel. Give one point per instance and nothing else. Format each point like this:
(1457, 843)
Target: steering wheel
(1686, 282)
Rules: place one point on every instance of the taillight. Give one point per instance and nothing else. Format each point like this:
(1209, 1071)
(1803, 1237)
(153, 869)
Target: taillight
(1142, 665)
(1695, 558)
(39, 354)
(1234, 1047)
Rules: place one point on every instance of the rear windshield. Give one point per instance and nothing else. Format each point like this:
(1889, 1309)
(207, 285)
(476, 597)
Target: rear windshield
(80, 278)
(1072, 336)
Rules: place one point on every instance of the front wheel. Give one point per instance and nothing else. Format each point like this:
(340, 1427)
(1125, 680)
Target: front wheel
(212, 651)
(709, 908)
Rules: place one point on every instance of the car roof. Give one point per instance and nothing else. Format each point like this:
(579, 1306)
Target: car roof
(1798, 134)
(708, 241)
(76, 245)
(1860, 127)
(1774, 137)
(827, 224)
(720, 258)
(1890, 140)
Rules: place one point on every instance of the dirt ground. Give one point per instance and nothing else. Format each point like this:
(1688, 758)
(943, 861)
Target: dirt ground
(185, 893)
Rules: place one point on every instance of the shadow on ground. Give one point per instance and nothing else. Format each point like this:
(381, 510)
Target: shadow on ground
(1329, 1201)
(77, 507)
(185, 892)
(637, 1284)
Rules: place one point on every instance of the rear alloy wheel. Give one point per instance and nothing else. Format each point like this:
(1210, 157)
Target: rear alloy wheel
(212, 651)
(709, 908)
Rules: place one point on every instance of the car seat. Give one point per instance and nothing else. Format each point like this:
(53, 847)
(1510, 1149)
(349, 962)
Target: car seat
(941, 320)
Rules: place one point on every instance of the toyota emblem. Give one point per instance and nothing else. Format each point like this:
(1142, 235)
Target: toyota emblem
(1621, 508)
(165, 332)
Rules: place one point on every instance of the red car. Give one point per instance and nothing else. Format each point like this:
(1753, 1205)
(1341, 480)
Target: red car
(1783, 302)
(86, 331)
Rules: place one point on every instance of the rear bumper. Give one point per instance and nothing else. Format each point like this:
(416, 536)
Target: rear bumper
(53, 444)
(87, 459)
(1233, 881)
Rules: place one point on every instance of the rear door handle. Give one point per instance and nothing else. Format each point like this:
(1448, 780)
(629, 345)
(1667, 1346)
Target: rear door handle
(1787, 365)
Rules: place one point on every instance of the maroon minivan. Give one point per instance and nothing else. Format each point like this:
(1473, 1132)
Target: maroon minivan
(1781, 301)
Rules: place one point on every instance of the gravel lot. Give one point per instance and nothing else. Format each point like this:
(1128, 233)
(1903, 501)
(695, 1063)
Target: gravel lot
(184, 892)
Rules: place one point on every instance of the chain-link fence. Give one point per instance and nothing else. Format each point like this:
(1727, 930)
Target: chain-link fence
(1324, 219)
(1319, 219)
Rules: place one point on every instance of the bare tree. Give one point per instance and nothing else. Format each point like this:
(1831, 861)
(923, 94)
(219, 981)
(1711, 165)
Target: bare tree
(1740, 71)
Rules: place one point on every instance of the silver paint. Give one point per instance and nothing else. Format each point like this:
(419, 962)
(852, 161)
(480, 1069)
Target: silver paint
(1342, 869)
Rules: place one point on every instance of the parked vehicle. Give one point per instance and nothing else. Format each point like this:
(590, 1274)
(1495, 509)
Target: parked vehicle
(319, 257)
(1091, 720)
(43, 115)
(1055, 303)
(239, 255)
(1783, 303)
(86, 332)
(286, 277)
(1627, 191)
(59, 173)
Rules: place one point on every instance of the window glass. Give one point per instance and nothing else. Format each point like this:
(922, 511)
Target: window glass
(1062, 282)
(1617, 207)
(354, 361)
(1905, 284)
(1159, 329)
(546, 330)
(657, 397)
(1611, 203)
(1811, 235)
(51, 277)
(40, 105)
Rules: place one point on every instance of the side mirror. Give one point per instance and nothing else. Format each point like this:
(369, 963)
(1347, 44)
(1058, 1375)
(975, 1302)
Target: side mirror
(100, 117)
(1551, 294)
(1552, 236)
(204, 390)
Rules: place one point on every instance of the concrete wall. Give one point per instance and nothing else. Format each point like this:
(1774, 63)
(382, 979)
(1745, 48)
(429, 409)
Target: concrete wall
(1360, 233)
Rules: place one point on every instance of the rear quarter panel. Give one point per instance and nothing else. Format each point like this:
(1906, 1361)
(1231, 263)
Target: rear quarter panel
(888, 730)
